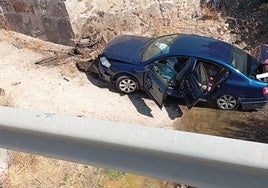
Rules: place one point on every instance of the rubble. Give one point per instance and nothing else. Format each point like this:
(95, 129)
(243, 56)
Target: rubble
(46, 60)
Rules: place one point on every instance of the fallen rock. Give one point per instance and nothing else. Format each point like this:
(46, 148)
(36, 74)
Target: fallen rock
(88, 66)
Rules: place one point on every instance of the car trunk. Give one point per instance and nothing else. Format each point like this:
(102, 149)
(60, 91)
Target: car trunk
(263, 75)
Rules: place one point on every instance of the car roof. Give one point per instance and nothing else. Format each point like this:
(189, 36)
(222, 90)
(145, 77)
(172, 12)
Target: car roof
(202, 47)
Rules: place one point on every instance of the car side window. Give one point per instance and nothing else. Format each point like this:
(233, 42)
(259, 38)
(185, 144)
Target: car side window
(215, 72)
(176, 63)
(181, 63)
(163, 71)
(167, 68)
(200, 76)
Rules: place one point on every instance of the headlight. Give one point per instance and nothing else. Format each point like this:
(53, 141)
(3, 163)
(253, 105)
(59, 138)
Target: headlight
(104, 61)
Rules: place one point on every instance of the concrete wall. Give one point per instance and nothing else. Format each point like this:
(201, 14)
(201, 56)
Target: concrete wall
(45, 19)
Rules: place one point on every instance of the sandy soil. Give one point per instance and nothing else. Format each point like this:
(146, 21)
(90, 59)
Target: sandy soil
(63, 89)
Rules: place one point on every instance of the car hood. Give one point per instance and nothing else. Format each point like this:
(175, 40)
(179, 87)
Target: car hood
(126, 48)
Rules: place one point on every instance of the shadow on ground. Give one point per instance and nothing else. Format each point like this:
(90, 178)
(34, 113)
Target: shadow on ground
(138, 98)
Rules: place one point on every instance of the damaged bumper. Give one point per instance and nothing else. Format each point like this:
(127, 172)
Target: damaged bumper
(103, 73)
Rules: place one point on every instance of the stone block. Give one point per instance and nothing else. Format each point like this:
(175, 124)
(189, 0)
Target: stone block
(65, 32)
(5, 6)
(19, 6)
(15, 21)
(47, 19)
(37, 23)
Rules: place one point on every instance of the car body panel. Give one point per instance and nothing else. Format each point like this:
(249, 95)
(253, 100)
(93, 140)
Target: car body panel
(125, 56)
(190, 83)
(202, 47)
(253, 103)
(154, 87)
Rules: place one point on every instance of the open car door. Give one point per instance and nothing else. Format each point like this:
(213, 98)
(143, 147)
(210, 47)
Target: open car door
(195, 84)
(156, 79)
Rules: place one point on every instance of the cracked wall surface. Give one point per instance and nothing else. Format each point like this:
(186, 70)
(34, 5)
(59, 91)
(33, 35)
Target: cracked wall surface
(128, 16)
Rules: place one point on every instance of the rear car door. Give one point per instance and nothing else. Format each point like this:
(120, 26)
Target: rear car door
(195, 84)
(156, 80)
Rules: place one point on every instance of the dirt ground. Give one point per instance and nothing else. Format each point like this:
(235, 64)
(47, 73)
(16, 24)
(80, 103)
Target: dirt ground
(59, 87)
(63, 89)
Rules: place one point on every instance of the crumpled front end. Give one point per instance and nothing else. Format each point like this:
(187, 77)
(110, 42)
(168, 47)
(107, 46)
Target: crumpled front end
(126, 48)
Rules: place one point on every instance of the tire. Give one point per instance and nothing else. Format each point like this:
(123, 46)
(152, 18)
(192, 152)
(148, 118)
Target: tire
(227, 102)
(126, 84)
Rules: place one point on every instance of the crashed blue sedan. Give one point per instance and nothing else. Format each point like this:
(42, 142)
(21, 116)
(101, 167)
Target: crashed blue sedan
(188, 66)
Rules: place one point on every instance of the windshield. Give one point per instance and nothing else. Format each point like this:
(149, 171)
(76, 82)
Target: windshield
(158, 46)
(243, 61)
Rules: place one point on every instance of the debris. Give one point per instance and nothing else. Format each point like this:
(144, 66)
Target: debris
(16, 45)
(83, 65)
(75, 52)
(88, 66)
(81, 115)
(2, 92)
(15, 83)
(46, 59)
(66, 79)
(89, 40)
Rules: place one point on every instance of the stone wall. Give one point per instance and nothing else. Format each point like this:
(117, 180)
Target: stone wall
(62, 21)
(65, 21)
(128, 16)
(45, 19)
(142, 17)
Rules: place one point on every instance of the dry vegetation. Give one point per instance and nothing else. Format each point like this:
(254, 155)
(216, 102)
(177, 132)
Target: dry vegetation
(28, 170)
(209, 13)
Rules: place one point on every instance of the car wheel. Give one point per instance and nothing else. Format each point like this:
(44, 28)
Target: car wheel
(227, 102)
(126, 84)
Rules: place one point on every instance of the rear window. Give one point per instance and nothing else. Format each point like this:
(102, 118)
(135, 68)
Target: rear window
(240, 61)
(243, 62)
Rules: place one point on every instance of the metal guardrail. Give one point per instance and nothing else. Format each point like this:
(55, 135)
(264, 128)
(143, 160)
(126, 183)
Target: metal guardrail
(189, 158)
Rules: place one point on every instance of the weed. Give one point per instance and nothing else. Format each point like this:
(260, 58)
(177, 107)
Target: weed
(65, 179)
(112, 174)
